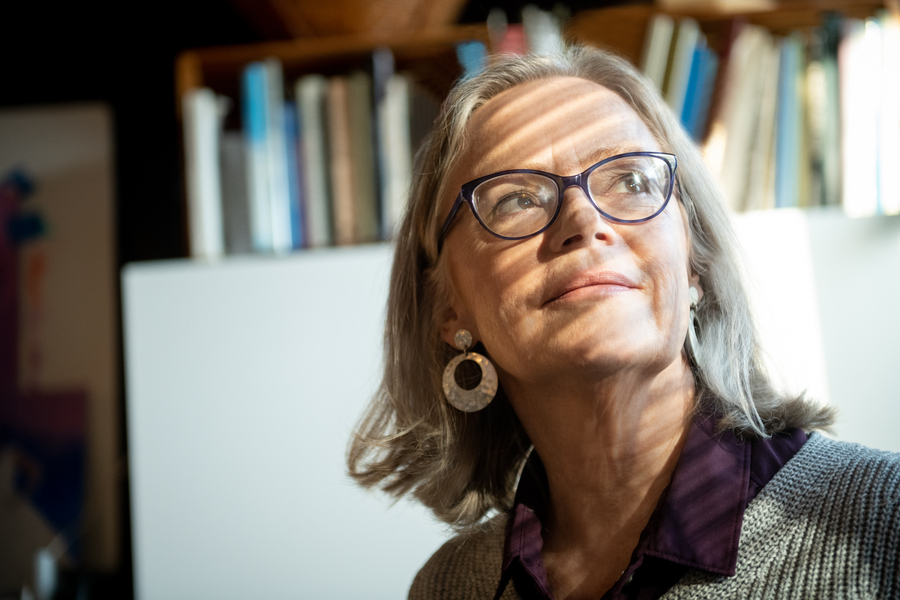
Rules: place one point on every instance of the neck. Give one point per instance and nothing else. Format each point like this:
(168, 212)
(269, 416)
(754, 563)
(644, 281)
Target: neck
(609, 450)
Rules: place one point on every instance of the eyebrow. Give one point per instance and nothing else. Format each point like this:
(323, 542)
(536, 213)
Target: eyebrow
(594, 157)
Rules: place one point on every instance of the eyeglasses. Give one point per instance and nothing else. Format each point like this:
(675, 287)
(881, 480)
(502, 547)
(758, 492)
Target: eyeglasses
(512, 205)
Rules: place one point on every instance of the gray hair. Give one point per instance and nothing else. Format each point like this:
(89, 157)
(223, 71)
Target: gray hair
(464, 465)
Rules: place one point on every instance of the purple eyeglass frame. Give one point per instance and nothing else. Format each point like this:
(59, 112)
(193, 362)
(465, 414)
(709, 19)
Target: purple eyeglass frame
(562, 183)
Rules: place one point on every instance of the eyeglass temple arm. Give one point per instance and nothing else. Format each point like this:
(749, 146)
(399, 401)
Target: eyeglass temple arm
(449, 219)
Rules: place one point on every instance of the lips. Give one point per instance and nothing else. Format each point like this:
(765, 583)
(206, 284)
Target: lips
(591, 279)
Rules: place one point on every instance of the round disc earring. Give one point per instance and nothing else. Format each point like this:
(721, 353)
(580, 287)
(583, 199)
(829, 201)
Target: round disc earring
(479, 397)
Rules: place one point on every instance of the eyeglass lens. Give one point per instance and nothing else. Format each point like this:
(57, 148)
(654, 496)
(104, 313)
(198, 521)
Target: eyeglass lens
(629, 188)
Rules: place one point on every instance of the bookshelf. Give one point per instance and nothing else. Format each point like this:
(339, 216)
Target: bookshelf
(430, 55)
(429, 58)
(333, 123)
(627, 37)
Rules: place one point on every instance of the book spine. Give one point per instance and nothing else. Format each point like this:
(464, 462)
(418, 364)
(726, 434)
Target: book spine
(816, 114)
(382, 71)
(682, 58)
(859, 118)
(543, 31)
(728, 34)
(202, 130)
(343, 205)
(276, 154)
(740, 113)
(254, 102)
(789, 113)
(396, 150)
(761, 180)
(235, 203)
(689, 111)
(294, 174)
(657, 43)
(311, 94)
(711, 67)
(831, 154)
(362, 157)
(801, 125)
(889, 113)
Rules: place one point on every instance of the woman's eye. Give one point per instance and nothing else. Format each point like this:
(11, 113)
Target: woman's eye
(633, 183)
(516, 202)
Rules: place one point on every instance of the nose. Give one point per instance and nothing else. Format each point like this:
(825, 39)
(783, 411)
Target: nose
(579, 222)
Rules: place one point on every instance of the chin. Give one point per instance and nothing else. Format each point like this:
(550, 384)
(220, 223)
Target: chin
(627, 351)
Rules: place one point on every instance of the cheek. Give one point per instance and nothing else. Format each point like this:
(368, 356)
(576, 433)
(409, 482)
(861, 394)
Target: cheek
(668, 267)
(501, 289)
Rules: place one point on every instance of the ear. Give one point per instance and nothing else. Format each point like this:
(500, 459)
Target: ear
(693, 277)
(694, 281)
(455, 318)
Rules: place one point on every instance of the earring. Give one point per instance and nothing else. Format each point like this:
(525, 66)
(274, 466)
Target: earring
(477, 398)
(693, 345)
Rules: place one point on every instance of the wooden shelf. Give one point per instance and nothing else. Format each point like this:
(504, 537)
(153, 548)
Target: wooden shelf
(429, 55)
(622, 28)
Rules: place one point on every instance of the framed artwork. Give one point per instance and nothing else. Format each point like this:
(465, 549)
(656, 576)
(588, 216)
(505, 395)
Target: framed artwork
(58, 340)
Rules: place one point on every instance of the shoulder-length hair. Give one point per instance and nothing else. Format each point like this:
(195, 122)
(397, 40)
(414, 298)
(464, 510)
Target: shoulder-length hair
(464, 465)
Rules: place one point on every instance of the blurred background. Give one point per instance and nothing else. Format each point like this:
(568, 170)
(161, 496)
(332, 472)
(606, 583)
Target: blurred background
(179, 375)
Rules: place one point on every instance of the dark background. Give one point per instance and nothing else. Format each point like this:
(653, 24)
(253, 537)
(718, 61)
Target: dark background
(123, 54)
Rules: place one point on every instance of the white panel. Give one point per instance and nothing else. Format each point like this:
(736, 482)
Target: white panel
(857, 271)
(826, 296)
(783, 293)
(244, 381)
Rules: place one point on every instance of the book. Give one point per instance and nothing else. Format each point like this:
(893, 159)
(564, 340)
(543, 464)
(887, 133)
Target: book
(310, 92)
(732, 133)
(497, 23)
(512, 41)
(657, 42)
(699, 89)
(293, 154)
(362, 159)
(340, 155)
(543, 31)
(254, 100)
(395, 151)
(831, 135)
(423, 110)
(235, 203)
(203, 113)
(727, 32)
(801, 124)
(789, 124)
(889, 114)
(816, 115)
(680, 60)
(858, 55)
(382, 72)
(472, 57)
(690, 93)
(761, 178)
(277, 158)
(706, 94)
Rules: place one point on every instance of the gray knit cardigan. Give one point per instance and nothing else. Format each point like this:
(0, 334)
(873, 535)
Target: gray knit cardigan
(826, 526)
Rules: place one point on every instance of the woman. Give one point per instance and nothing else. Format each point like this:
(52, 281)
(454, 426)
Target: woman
(565, 236)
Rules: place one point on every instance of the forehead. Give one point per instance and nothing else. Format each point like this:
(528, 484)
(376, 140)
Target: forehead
(562, 124)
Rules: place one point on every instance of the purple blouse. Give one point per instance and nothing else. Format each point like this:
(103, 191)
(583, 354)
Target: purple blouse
(696, 524)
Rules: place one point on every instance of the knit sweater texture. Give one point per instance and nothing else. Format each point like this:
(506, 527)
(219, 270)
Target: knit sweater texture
(826, 526)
